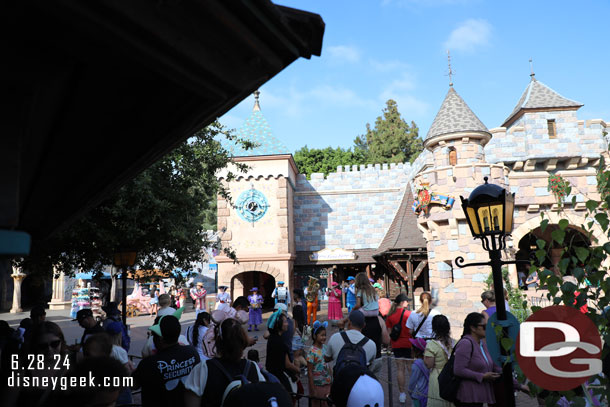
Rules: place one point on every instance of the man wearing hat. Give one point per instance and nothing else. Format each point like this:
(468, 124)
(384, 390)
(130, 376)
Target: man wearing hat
(350, 294)
(114, 315)
(223, 299)
(198, 296)
(85, 319)
(256, 310)
(162, 375)
(281, 294)
(355, 323)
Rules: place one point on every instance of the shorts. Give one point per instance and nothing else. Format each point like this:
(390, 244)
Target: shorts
(402, 353)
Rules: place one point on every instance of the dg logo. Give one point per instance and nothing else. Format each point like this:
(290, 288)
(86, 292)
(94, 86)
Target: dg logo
(559, 348)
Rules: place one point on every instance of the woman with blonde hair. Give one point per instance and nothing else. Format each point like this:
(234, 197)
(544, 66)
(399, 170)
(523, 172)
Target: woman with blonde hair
(420, 321)
(366, 296)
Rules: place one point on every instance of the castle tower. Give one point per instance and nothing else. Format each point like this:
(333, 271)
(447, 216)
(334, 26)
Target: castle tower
(259, 224)
(456, 140)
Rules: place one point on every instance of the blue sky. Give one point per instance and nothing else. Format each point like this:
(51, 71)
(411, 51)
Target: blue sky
(379, 49)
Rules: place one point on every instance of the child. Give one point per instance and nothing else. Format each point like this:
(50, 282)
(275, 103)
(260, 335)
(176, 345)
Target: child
(366, 296)
(418, 383)
(317, 371)
(253, 356)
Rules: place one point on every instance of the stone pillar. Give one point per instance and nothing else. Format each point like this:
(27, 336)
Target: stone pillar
(18, 277)
(59, 288)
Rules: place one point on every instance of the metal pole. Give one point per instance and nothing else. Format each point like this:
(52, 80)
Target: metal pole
(496, 267)
(390, 393)
(124, 295)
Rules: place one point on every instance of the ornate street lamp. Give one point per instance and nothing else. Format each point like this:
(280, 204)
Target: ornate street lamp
(124, 259)
(489, 212)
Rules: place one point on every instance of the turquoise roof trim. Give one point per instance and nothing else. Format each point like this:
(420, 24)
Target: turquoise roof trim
(257, 130)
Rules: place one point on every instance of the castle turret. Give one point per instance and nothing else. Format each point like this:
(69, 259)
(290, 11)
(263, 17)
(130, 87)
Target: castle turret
(456, 135)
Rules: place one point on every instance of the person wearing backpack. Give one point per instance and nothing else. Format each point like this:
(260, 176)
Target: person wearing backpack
(211, 381)
(436, 355)
(420, 375)
(349, 347)
(400, 335)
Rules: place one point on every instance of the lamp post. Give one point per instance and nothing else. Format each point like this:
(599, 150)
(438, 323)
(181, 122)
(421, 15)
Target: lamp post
(489, 212)
(124, 259)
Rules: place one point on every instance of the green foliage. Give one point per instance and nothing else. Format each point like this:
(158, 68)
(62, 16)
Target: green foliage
(392, 140)
(326, 160)
(588, 265)
(162, 214)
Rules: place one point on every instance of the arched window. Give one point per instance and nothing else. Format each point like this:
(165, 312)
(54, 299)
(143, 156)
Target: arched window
(452, 156)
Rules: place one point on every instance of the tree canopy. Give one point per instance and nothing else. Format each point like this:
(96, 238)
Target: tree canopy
(392, 140)
(326, 160)
(162, 214)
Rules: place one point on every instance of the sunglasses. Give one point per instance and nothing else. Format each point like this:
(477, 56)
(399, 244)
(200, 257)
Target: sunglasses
(46, 345)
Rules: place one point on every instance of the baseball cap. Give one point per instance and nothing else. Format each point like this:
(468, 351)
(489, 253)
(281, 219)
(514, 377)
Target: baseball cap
(356, 317)
(83, 313)
(350, 278)
(167, 328)
(113, 327)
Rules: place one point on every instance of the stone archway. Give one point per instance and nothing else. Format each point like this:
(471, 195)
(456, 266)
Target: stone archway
(242, 283)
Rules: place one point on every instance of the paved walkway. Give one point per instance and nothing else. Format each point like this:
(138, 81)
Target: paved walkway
(139, 326)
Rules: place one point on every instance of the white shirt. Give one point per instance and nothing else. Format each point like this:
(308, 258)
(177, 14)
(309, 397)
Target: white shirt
(199, 345)
(334, 345)
(119, 354)
(426, 329)
(198, 378)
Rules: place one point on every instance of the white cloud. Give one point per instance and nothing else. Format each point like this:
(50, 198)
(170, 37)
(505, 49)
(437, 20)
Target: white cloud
(400, 90)
(343, 53)
(469, 35)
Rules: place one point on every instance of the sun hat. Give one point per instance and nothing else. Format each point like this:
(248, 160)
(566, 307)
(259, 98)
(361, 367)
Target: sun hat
(419, 343)
(254, 289)
(281, 306)
(168, 328)
(273, 319)
(200, 283)
(335, 284)
(223, 287)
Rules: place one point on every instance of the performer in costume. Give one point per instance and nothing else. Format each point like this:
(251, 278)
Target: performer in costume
(223, 299)
(311, 295)
(198, 296)
(335, 313)
(281, 294)
(350, 294)
(256, 311)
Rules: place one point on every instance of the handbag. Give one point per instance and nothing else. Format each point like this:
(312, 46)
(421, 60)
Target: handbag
(448, 382)
(395, 332)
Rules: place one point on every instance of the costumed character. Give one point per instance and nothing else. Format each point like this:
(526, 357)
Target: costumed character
(350, 294)
(198, 296)
(256, 310)
(311, 295)
(223, 299)
(281, 294)
(335, 313)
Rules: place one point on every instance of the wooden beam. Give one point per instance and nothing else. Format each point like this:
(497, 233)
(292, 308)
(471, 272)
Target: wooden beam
(399, 269)
(419, 269)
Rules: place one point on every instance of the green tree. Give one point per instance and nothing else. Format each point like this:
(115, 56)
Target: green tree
(162, 214)
(326, 160)
(392, 140)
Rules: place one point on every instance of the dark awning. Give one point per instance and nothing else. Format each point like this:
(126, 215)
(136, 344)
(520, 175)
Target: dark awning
(96, 91)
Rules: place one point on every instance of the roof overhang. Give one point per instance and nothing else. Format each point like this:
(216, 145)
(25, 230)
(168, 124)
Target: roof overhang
(509, 122)
(96, 91)
(484, 136)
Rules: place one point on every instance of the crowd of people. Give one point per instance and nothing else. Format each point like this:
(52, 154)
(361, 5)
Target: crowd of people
(211, 365)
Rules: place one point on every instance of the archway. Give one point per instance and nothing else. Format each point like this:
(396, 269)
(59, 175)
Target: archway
(35, 290)
(242, 283)
(574, 237)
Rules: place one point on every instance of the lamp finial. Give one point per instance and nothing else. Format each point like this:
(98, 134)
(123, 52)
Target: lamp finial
(485, 179)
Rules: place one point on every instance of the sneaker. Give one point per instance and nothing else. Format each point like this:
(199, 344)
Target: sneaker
(402, 398)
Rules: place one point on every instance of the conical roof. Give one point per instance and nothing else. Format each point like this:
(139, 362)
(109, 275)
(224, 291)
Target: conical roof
(257, 130)
(454, 116)
(539, 96)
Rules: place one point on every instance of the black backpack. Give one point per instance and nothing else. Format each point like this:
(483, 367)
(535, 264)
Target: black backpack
(351, 354)
(448, 382)
(235, 382)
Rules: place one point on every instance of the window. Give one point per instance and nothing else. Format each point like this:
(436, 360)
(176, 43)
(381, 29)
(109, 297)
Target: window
(552, 128)
(452, 156)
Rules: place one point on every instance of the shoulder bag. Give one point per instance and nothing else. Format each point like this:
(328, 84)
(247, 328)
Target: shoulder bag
(395, 333)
